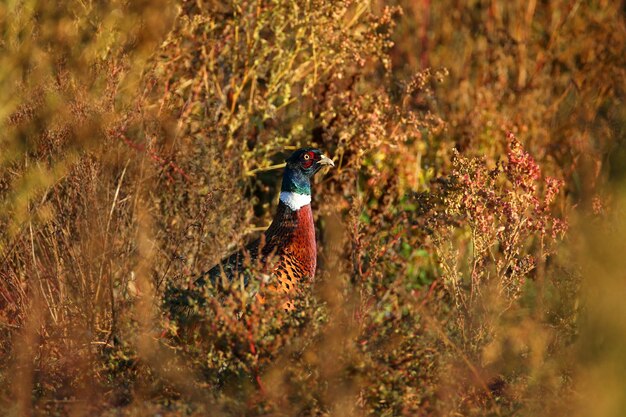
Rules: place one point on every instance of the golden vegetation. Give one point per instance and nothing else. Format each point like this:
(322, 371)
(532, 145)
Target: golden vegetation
(471, 235)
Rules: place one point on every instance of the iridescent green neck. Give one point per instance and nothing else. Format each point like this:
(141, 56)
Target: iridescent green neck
(295, 181)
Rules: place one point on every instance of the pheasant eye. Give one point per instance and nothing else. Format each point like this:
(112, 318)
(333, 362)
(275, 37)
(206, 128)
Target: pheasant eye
(307, 160)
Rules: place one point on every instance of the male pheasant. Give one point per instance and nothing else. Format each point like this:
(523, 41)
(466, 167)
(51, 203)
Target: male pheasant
(287, 250)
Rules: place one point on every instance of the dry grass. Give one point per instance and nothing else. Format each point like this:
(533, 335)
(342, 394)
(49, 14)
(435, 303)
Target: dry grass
(470, 257)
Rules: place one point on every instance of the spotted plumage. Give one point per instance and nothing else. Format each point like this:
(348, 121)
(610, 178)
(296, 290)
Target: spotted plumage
(286, 254)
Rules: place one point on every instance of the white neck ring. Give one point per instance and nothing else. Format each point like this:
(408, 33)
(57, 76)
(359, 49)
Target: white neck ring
(294, 201)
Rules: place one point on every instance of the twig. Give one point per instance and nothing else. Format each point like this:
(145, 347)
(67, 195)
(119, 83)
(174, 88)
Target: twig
(106, 241)
(255, 171)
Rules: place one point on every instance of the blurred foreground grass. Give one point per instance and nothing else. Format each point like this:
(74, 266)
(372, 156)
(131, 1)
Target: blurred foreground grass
(471, 236)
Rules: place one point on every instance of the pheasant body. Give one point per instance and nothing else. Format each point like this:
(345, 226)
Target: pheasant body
(287, 251)
(299, 257)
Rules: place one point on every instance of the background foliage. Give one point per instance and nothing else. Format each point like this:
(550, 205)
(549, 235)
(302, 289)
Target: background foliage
(470, 237)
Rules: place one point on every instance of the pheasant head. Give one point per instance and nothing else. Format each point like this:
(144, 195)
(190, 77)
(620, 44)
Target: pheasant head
(301, 166)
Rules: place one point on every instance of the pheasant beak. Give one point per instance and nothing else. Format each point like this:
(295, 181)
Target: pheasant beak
(325, 161)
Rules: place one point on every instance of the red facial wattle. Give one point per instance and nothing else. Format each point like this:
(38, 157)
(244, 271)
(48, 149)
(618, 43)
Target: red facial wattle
(308, 160)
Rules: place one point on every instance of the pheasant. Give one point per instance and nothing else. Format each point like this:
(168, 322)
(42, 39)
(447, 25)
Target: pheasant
(287, 250)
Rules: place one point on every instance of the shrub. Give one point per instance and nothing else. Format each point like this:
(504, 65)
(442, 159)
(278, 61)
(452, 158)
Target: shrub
(143, 140)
